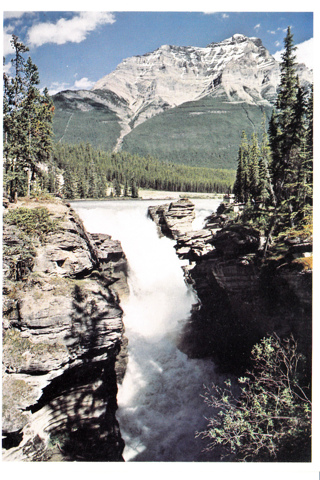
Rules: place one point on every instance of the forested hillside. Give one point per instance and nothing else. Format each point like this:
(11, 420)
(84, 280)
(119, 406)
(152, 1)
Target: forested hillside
(202, 133)
(88, 172)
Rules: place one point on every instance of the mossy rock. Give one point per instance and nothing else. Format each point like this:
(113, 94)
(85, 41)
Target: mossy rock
(20, 354)
(16, 396)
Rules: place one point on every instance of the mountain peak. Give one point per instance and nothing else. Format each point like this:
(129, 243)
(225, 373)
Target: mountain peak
(238, 37)
(238, 69)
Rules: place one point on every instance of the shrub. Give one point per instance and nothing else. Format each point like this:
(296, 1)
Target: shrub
(35, 222)
(270, 419)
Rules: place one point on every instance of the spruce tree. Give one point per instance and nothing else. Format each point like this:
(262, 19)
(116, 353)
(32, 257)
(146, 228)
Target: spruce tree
(253, 168)
(241, 186)
(283, 122)
(27, 123)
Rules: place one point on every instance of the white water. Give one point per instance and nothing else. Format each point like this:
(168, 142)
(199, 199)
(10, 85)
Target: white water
(160, 407)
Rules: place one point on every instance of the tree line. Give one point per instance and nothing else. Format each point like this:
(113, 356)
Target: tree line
(88, 172)
(34, 163)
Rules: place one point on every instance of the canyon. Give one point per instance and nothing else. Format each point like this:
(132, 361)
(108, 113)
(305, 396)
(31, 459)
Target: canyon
(68, 381)
(241, 298)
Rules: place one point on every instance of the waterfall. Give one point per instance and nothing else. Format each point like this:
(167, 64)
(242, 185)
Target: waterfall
(160, 404)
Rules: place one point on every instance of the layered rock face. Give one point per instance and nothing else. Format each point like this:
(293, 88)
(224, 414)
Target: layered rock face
(63, 343)
(241, 300)
(175, 218)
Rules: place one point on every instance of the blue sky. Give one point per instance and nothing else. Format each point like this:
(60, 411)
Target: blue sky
(74, 49)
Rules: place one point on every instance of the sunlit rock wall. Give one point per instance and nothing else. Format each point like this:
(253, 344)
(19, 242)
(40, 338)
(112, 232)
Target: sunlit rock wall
(63, 345)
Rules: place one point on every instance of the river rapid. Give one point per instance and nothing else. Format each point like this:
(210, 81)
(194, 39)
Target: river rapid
(160, 403)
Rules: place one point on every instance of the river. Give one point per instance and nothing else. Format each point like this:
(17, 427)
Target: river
(160, 403)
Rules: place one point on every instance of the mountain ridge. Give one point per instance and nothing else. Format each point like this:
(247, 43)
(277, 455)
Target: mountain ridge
(238, 69)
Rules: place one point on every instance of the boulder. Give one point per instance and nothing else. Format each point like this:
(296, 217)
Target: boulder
(235, 240)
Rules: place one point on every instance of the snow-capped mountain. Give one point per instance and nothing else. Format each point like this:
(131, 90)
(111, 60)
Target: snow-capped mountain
(183, 104)
(239, 68)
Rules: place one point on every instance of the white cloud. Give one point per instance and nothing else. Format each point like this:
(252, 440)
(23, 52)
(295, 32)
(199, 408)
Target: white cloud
(7, 68)
(257, 26)
(272, 32)
(7, 47)
(64, 30)
(56, 87)
(83, 84)
(7, 15)
(304, 53)
(225, 15)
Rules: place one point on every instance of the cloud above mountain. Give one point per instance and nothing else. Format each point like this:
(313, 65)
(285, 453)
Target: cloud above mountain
(304, 53)
(81, 84)
(75, 29)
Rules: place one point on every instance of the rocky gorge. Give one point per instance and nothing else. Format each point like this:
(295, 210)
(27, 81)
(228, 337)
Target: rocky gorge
(63, 341)
(241, 297)
(64, 347)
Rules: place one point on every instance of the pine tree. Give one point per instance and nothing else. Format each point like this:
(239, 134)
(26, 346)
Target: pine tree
(134, 188)
(241, 186)
(283, 123)
(27, 123)
(116, 187)
(126, 188)
(265, 186)
(253, 168)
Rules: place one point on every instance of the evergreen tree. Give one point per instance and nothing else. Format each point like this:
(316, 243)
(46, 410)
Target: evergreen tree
(253, 168)
(265, 186)
(241, 186)
(116, 188)
(134, 188)
(284, 135)
(27, 124)
(126, 188)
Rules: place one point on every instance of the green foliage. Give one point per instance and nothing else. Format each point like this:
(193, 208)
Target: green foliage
(85, 167)
(270, 416)
(191, 134)
(274, 179)
(34, 222)
(290, 140)
(27, 119)
(79, 120)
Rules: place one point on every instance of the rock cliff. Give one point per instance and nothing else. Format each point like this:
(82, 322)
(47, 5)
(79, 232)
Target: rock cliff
(63, 342)
(241, 299)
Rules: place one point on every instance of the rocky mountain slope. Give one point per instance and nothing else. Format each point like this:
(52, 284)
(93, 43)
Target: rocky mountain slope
(188, 90)
(63, 342)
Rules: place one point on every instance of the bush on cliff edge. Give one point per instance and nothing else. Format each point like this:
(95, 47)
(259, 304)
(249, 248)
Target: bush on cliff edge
(270, 419)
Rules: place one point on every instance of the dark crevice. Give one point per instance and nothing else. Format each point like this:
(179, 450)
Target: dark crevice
(11, 440)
